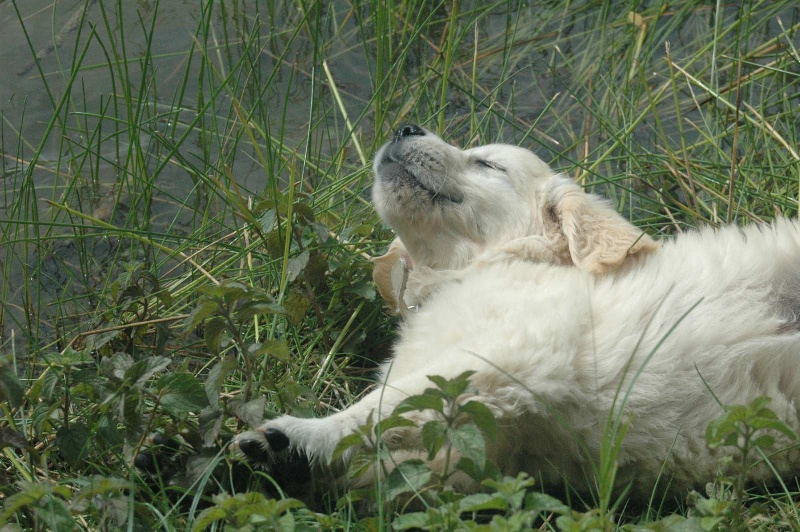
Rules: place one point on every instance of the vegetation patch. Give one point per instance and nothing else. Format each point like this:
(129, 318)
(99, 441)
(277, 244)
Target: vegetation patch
(185, 233)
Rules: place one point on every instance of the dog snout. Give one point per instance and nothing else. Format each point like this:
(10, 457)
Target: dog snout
(408, 130)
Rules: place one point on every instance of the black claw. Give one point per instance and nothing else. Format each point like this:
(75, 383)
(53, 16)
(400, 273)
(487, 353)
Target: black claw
(255, 450)
(146, 462)
(278, 441)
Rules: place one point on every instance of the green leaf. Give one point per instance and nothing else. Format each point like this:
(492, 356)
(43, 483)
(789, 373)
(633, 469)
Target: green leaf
(542, 502)
(251, 412)
(452, 388)
(350, 441)
(482, 417)
(764, 441)
(210, 420)
(296, 306)
(426, 401)
(73, 443)
(409, 476)
(296, 265)
(275, 348)
(482, 501)
(140, 372)
(253, 308)
(304, 211)
(70, 358)
(216, 376)
(181, 393)
(204, 309)
(209, 516)
(116, 365)
(434, 436)
(100, 485)
(392, 422)
(411, 521)
(232, 291)
(469, 440)
(363, 289)
(212, 333)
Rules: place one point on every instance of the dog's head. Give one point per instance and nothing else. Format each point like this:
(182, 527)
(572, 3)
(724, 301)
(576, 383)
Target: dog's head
(449, 206)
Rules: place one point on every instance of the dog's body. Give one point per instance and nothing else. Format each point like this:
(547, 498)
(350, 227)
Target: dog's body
(566, 313)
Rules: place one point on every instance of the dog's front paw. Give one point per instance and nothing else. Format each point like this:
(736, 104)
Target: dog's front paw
(271, 448)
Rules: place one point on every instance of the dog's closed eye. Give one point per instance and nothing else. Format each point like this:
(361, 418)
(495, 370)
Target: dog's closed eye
(490, 165)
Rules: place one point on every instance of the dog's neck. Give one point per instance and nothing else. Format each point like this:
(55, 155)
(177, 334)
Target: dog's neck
(441, 253)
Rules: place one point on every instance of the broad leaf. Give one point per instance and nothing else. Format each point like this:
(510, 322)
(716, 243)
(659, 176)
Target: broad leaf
(409, 476)
(181, 393)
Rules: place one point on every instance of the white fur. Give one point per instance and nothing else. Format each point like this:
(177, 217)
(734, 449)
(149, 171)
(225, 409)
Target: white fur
(556, 345)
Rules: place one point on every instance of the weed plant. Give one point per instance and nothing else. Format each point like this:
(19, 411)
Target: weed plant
(185, 231)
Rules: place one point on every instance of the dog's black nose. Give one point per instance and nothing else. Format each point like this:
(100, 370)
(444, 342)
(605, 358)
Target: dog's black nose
(408, 130)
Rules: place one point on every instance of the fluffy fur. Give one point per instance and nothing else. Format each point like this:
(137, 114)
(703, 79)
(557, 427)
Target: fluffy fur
(557, 304)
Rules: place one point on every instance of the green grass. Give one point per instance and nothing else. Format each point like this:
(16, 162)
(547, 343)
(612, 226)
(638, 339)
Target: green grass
(149, 154)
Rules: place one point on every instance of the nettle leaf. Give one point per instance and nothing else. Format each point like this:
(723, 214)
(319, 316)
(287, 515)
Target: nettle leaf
(469, 440)
(392, 422)
(181, 393)
(482, 417)
(213, 330)
(232, 291)
(482, 501)
(321, 230)
(354, 440)
(205, 309)
(412, 521)
(210, 420)
(70, 358)
(140, 372)
(296, 305)
(434, 436)
(258, 307)
(296, 265)
(99, 485)
(425, 401)
(267, 221)
(772, 423)
(216, 376)
(541, 502)
(304, 211)
(163, 295)
(409, 476)
(764, 441)
(73, 443)
(55, 514)
(251, 412)
(96, 342)
(452, 388)
(275, 348)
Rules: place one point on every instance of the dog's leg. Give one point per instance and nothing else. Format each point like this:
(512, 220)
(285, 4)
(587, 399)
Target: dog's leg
(317, 438)
(286, 437)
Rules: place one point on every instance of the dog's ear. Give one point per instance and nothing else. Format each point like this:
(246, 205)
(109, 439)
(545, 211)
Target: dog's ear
(598, 238)
(382, 271)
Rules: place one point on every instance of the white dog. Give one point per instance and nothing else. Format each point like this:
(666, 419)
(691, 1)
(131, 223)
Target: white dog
(561, 307)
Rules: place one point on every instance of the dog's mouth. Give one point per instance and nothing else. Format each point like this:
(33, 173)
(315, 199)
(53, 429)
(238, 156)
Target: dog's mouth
(394, 168)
